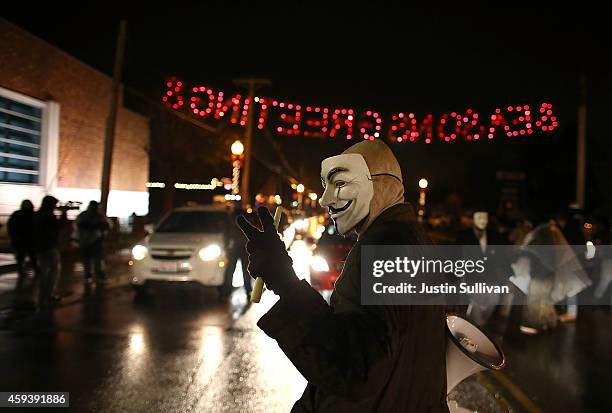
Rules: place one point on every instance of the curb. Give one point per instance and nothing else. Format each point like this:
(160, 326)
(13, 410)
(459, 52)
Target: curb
(76, 295)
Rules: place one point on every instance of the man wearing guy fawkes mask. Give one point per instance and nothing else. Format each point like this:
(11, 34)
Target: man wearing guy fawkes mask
(356, 358)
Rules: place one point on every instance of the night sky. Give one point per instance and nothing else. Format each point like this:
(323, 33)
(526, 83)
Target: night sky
(413, 60)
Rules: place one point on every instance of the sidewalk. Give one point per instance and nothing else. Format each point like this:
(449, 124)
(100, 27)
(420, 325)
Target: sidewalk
(70, 285)
(7, 262)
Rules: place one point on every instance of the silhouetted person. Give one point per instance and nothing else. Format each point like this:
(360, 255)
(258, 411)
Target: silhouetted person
(92, 226)
(571, 224)
(557, 275)
(137, 226)
(20, 228)
(603, 237)
(235, 247)
(132, 220)
(485, 242)
(47, 229)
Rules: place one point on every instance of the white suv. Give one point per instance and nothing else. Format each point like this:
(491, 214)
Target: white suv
(187, 245)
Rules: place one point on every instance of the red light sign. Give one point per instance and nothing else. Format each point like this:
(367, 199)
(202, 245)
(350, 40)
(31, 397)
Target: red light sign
(288, 118)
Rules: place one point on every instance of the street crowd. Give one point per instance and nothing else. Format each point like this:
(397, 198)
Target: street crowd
(560, 256)
(35, 239)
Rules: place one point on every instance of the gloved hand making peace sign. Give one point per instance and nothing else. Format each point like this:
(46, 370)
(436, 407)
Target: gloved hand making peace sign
(267, 255)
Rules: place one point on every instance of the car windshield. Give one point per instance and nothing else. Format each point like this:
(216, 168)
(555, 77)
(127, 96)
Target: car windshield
(194, 222)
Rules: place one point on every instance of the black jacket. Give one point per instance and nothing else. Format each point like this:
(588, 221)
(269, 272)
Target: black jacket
(364, 358)
(47, 229)
(499, 259)
(20, 228)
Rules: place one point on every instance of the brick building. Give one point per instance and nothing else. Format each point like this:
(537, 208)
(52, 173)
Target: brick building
(53, 111)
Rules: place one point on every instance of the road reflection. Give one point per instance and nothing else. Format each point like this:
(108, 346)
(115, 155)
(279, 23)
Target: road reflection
(137, 345)
(185, 353)
(254, 374)
(211, 351)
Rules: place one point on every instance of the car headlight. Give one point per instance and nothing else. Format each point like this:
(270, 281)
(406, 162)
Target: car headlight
(319, 264)
(209, 253)
(139, 252)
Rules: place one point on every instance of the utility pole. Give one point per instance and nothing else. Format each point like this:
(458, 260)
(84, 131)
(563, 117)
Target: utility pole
(252, 84)
(581, 145)
(111, 120)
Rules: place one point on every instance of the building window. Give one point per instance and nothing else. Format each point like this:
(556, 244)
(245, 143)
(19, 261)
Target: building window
(20, 141)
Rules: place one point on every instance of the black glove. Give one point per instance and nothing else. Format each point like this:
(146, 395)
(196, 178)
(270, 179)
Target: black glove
(267, 255)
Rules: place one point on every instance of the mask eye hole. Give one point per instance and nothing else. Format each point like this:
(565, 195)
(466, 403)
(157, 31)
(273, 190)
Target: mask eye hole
(339, 184)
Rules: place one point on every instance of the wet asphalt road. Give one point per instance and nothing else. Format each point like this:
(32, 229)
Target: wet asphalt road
(568, 369)
(179, 351)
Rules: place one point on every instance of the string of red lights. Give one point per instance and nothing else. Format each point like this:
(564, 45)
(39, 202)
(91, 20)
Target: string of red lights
(322, 122)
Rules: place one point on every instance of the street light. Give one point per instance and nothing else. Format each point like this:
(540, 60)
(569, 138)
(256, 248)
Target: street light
(300, 190)
(422, 191)
(237, 149)
(313, 199)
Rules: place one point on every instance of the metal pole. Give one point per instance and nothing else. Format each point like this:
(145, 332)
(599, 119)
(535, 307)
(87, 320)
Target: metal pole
(111, 120)
(252, 84)
(581, 146)
(246, 172)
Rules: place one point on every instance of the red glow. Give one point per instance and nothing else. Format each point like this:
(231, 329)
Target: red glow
(470, 128)
(409, 128)
(547, 122)
(512, 120)
(497, 121)
(224, 107)
(202, 101)
(369, 125)
(315, 125)
(341, 121)
(245, 110)
(263, 113)
(289, 119)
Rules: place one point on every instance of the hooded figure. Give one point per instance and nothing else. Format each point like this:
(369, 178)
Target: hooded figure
(47, 232)
(92, 225)
(364, 181)
(356, 358)
(21, 232)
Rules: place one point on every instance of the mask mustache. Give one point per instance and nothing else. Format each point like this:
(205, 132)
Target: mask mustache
(344, 208)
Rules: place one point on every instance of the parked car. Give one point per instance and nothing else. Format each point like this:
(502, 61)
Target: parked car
(328, 258)
(186, 246)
